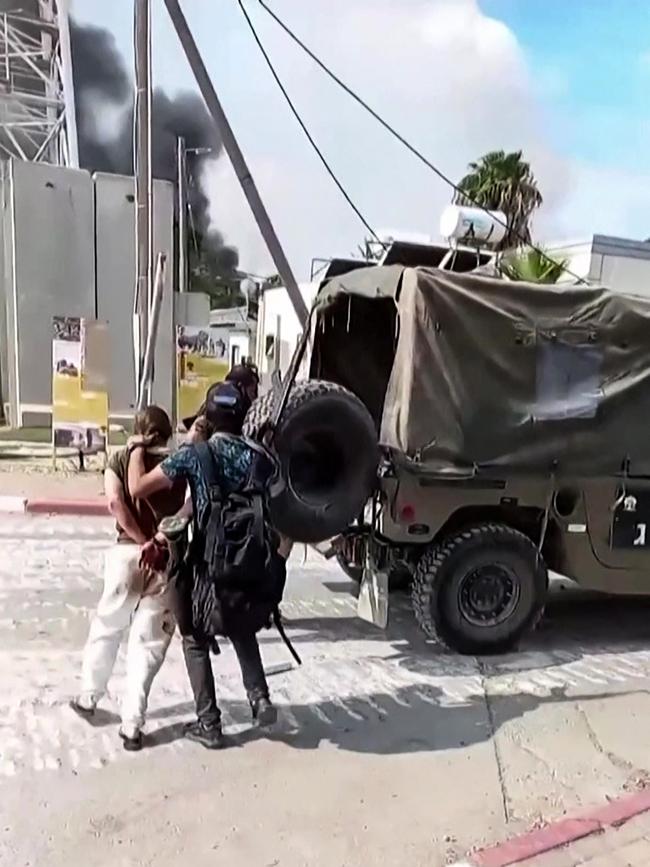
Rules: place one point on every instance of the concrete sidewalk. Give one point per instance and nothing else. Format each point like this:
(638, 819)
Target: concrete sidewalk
(35, 481)
(65, 491)
(545, 749)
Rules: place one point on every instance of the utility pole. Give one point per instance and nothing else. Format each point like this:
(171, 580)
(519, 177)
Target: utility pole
(237, 158)
(143, 181)
(181, 180)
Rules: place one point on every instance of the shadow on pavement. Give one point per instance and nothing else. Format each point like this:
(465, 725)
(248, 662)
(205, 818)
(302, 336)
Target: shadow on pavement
(409, 720)
(420, 717)
(576, 623)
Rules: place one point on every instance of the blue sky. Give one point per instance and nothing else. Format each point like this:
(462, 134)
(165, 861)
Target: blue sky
(594, 56)
(564, 81)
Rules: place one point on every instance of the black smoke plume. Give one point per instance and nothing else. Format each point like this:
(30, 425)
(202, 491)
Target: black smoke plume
(103, 87)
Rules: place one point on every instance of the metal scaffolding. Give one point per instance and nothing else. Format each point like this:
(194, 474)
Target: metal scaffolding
(37, 116)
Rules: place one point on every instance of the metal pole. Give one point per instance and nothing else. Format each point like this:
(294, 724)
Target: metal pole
(237, 158)
(182, 214)
(142, 152)
(63, 16)
(145, 389)
(150, 257)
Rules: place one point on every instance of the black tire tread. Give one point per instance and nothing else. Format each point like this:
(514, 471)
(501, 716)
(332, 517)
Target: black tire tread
(427, 578)
(305, 390)
(294, 515)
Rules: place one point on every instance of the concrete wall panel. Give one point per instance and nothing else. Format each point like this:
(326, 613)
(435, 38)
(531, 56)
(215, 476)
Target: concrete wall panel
(49, 263)
(115, 246)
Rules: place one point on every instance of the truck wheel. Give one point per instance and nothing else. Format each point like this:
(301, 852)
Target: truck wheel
(480, 590)
(326, 443)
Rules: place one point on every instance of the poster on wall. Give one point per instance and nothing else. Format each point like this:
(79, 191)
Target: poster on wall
(202, 358)
(79, 385)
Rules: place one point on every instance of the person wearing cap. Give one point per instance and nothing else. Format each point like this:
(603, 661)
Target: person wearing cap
(223, 411)
(244, 376)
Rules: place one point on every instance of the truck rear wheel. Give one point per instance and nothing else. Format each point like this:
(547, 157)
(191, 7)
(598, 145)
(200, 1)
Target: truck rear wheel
(480, 590)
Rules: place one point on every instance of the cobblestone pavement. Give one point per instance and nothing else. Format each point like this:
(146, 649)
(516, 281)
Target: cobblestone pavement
(628, 846)
(512, 740)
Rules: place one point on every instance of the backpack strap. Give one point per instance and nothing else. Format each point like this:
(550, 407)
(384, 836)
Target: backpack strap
(207, 464)
(277, 622)
(211, 476)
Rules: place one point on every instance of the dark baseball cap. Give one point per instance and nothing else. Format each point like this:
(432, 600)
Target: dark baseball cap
(221, 399)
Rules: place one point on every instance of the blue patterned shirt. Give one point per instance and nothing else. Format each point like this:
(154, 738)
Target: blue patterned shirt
(232, 458)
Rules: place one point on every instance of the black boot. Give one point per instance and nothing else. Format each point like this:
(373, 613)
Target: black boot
(210, 737)
(264, 713)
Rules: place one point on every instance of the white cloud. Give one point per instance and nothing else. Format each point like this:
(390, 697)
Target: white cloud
(451, 79)
(609, 201)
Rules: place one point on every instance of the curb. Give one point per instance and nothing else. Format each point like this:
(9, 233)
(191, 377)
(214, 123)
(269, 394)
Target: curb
(520, 849)
(21, 505)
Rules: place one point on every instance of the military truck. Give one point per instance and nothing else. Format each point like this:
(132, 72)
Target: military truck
(476, 432)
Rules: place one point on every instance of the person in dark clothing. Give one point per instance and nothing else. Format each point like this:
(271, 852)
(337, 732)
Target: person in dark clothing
(247, 379)
(223, 412)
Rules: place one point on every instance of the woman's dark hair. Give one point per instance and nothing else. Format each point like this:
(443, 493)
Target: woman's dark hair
(154, 422)
(244, 375)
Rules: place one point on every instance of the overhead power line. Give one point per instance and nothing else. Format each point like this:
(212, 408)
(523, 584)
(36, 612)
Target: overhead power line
(302, 124)
(400, 138)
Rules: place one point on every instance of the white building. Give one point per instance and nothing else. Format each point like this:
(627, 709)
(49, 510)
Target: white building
(233, 326)
(618, 263)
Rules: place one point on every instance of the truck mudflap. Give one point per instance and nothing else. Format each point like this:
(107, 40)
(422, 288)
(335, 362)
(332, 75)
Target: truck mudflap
(372, 604)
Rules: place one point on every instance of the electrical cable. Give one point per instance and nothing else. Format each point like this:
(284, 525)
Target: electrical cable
(302, 124)
(400, 138)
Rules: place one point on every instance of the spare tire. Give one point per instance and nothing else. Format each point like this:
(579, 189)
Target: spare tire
(327, 447)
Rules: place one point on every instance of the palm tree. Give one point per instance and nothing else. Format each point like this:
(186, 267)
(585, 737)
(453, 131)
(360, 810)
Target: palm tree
(532, 266)
(503, 182)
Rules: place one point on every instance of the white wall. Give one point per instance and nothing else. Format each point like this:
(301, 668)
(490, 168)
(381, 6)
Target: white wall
(239, 346)
(620, 273)
(277, 305)
(623, 274)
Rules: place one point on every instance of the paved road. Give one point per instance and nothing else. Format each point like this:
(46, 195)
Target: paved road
(376, 729)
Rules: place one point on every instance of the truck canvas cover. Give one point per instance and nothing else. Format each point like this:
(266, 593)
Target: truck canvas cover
(492, 373)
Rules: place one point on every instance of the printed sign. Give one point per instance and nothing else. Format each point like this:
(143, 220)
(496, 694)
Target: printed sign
(202, 358)
(79, 403)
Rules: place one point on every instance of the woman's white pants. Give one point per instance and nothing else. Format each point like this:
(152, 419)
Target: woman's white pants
(129, 598)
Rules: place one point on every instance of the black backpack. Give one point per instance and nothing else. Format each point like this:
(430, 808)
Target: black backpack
(236, 548)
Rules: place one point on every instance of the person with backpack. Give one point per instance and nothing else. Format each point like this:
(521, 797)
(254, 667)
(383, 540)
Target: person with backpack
(132, 598)
(232, 579)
